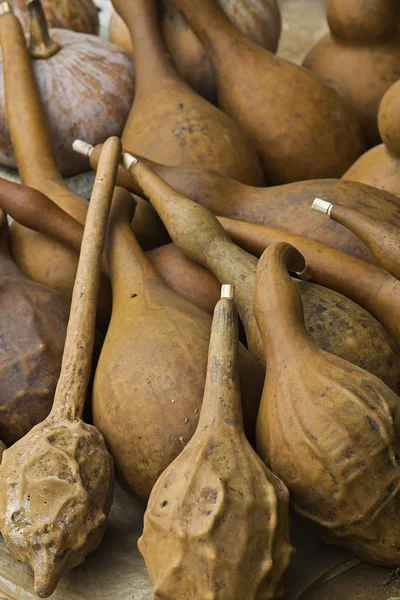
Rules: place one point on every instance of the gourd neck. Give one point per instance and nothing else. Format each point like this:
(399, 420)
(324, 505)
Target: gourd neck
(222, 401)
(278, 305)
(41, 44)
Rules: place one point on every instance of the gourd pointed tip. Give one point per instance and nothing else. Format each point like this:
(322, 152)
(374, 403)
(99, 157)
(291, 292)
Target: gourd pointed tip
(128, 160)
(322, 206)
(228, 291)
(4, 8)
(82, 147)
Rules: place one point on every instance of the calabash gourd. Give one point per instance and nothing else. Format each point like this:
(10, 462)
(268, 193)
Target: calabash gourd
(168, 121)
(198, 234)
(259, 20)
(272, 205)
(149, 380)
(381, 237)
(41, 259)
(33, 323)
(380, 166)
(301, 128)
(78, 15)
(359, 57)
(320, 410)
(56, 483)
(86, 85)
(220, 516)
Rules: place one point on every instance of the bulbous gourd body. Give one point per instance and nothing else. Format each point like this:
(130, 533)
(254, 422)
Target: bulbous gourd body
(360, 57)
(301, 129)
(78, 15)
(259, 20)
(219, 515)
(322, 411)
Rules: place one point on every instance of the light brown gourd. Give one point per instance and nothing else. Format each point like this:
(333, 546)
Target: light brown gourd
(359, 58)
(301, 128)
(168, 121)
(78, 15)
(56, 484)
(86, 86)
(260, 20)
(320, 410)
(382, 238)
(150, 376)
(284, 207)
(380, 166)
(220, 517)
(330, 318)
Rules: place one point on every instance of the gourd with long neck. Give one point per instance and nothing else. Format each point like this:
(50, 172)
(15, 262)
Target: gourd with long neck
(380, 166)
(381, 237)
(301, 128)
(327, 428)
(56, 483)
(217, 498)
(271, 206)
(199, 235)
(168, 121)
(359, 57)
(149, 380)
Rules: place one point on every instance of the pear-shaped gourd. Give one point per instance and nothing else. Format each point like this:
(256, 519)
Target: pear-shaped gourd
(381, 237)
(43, 260)
(285, 206)
(219, 515)
(150, 376)
(301, 128)
(56, 483)
(168, 121)
(380, 166)
(260, 20)
(327, 428)
(359, 58)
(198, 234)
(33, 323)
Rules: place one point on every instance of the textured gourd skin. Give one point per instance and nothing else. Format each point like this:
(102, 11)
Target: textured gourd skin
(260, 20)
(78, 15)
(327, 428)
(360, 57)
(220, 517)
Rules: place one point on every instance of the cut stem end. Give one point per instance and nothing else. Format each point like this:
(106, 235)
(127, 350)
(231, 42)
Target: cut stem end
(128, 160)
(82, 147)
(322, 206)
(228, 291)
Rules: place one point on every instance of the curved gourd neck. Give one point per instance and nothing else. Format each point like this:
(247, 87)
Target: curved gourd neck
(222, 402)
(28, 125)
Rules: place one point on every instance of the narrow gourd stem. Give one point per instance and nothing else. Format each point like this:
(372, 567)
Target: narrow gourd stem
(75, 369)
(41, 44)
(222, 401)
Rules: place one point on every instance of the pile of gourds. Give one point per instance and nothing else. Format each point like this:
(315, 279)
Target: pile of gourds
(218, 425)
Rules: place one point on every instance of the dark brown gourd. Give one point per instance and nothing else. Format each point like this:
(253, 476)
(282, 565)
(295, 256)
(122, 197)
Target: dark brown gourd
(260, 20)
(56, 483)
(78, 15)
(168, 121)
(301, 128)
(33, 323)
(359, 58)
(327, 428)
(284, 207)
(220, 517)
(86, 86)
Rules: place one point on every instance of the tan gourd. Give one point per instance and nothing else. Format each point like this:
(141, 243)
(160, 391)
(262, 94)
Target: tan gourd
(301, 128)
(380, 166)
(86, 86)
(56, 483)
(327, 428)
(260, 20)
(197, 233)
(33, 323)
(284, 207)
(78, 15)
(150, 376)
(219, 516)
(359, 58)
(381, 237)
(168, 121)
